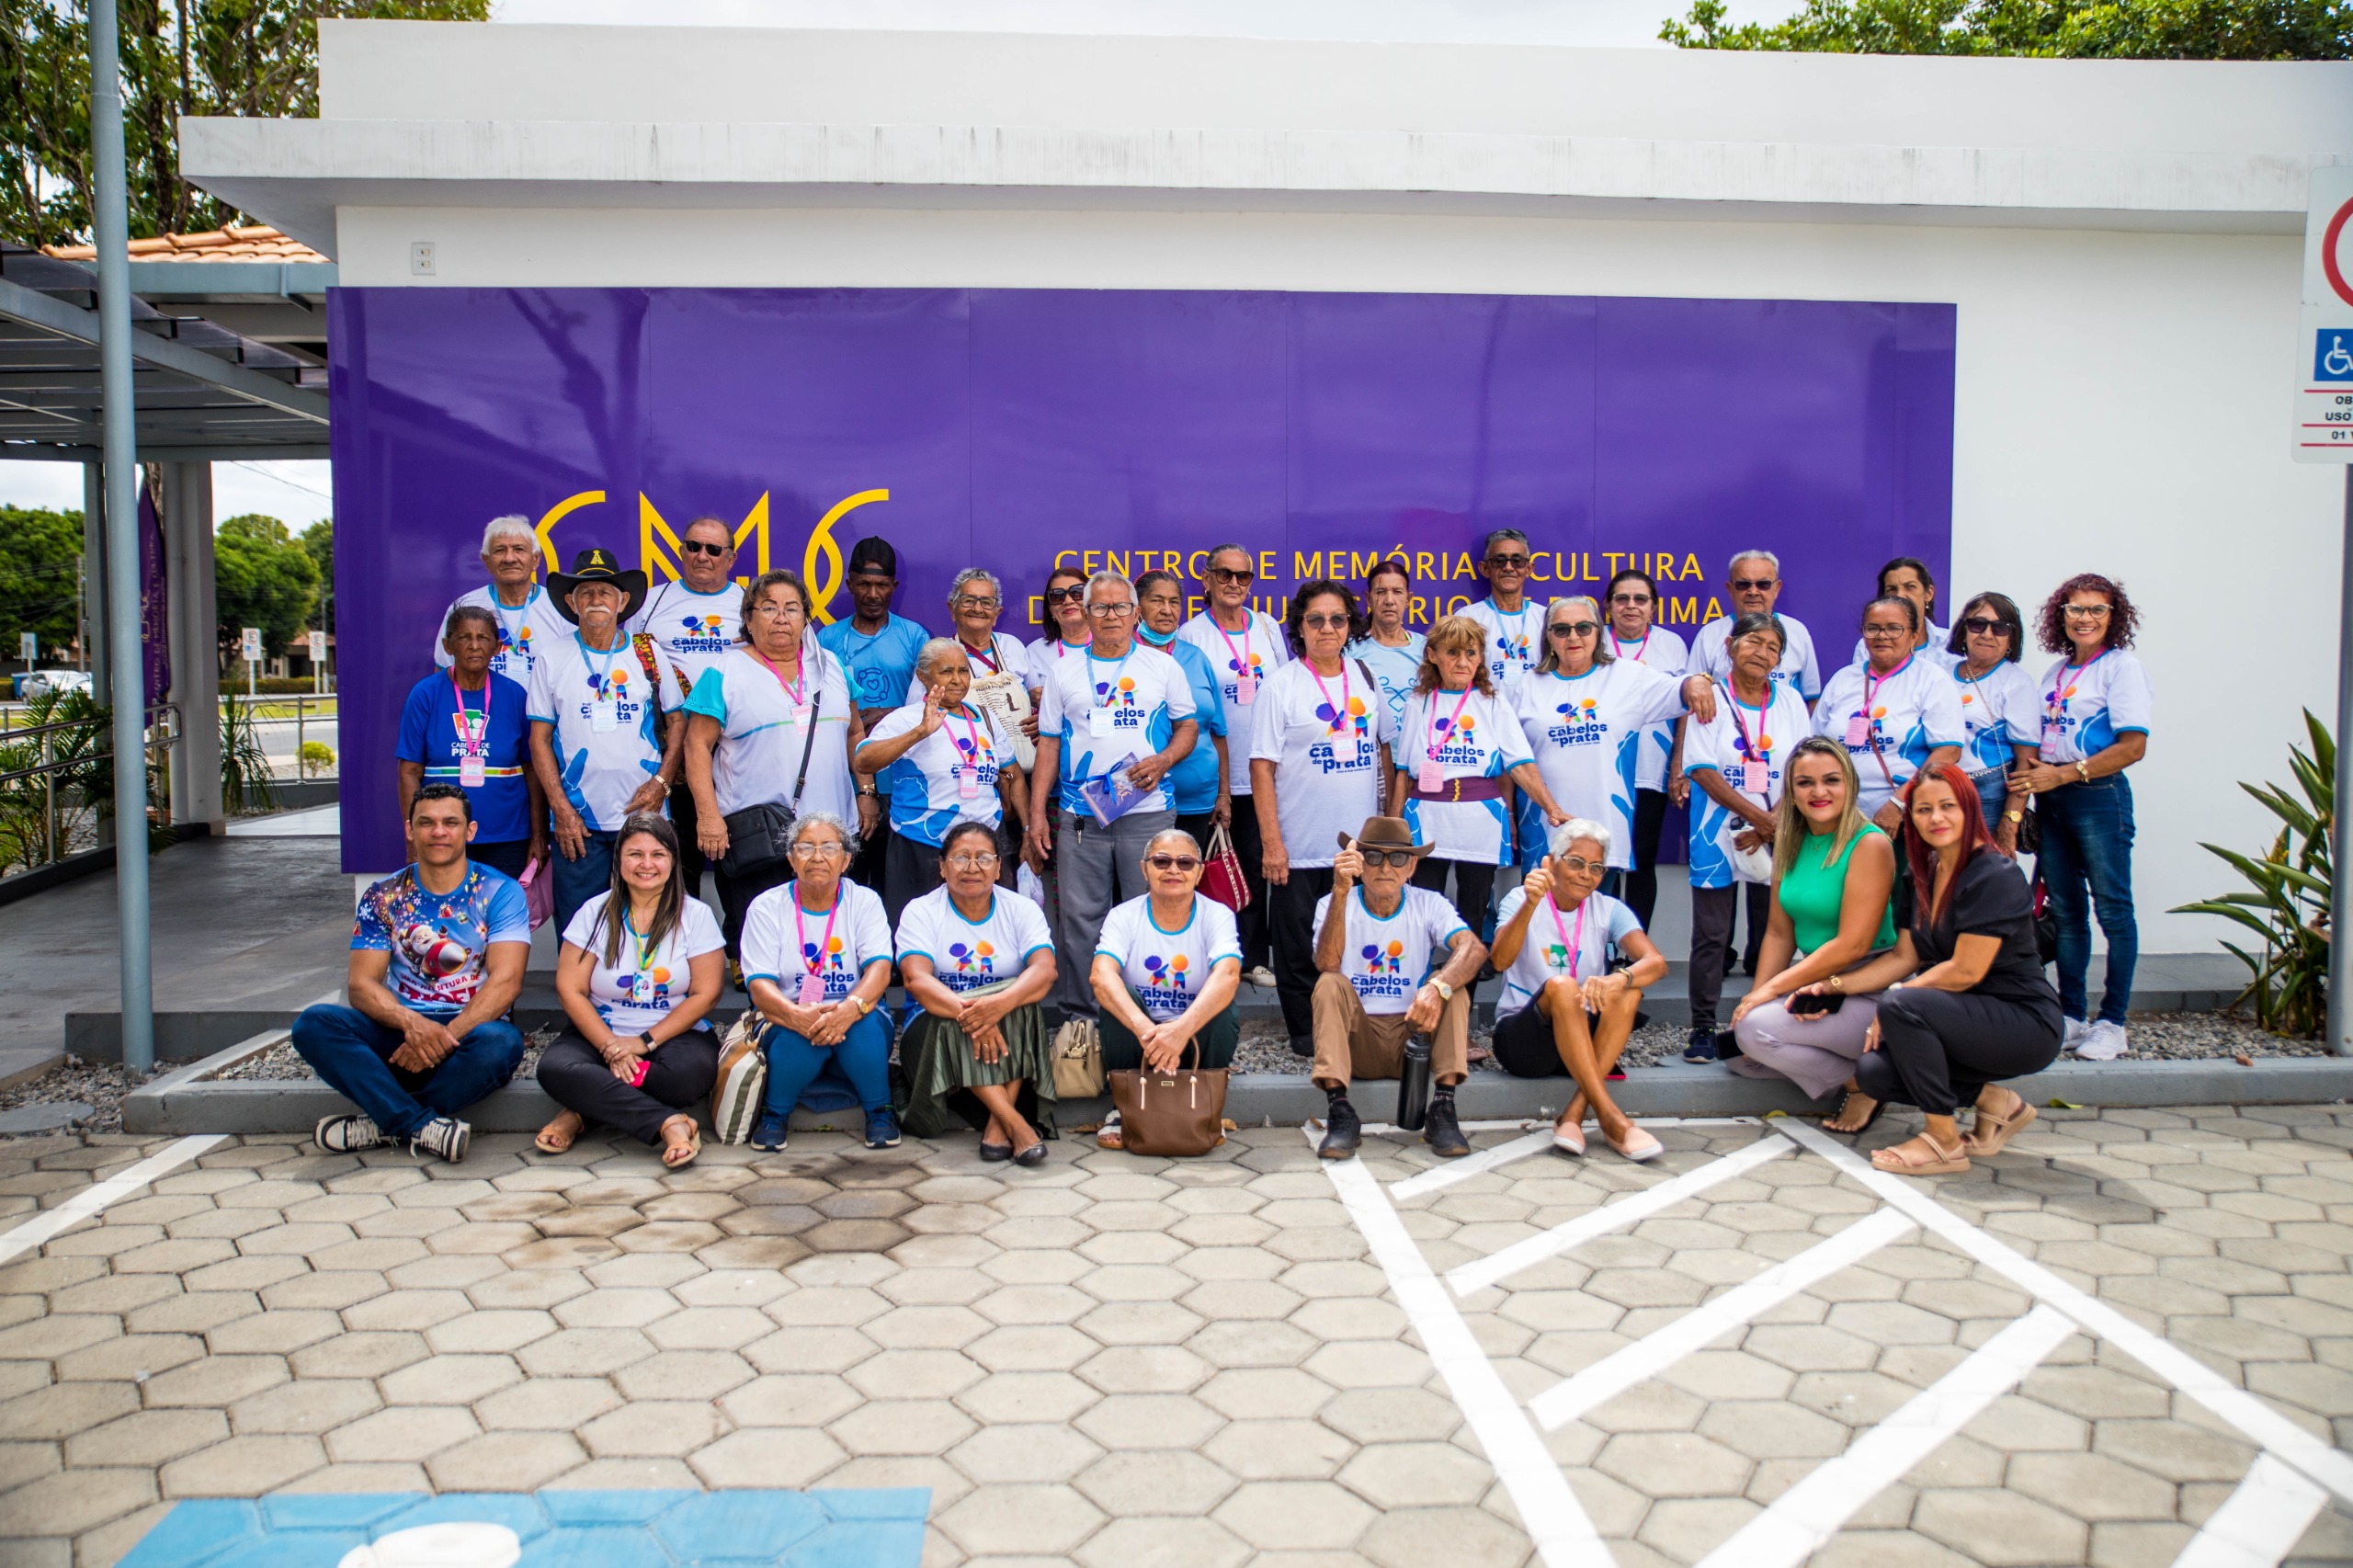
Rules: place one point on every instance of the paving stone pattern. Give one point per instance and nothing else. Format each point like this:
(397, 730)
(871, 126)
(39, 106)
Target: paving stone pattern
(1118, 1362)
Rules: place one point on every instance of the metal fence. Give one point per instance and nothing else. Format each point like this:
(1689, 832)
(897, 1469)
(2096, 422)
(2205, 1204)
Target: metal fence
(288, 726)
(56, 791)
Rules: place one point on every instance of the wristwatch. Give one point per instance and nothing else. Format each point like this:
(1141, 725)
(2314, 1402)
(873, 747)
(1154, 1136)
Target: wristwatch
(864, 1007)
(2082, 770)
(1445, 992)
(2014, 816)
(869, 789)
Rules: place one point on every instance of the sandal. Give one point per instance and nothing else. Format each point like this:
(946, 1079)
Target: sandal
(676, 1154)
(1938, 1161)
(1840, 1115)
(555, 1138)
(1990, 1134)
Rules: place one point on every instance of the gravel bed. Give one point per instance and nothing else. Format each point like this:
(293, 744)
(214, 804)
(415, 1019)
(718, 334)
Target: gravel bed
(100, 1085)
(281, 1062)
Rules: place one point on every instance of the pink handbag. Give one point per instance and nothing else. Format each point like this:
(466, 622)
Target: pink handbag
(539, 891)
(1222, 879)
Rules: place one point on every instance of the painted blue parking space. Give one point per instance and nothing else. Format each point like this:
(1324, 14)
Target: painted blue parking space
(838, 1528)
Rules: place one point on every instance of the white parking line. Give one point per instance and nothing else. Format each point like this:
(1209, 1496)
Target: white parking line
(1538, 1142)
(1802, 1520)
(1482, 1272)
(49, 1222)
(1648, 1357)
(2259, 1524)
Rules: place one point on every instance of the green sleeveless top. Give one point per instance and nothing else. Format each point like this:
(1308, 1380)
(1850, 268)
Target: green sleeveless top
(1815, 886)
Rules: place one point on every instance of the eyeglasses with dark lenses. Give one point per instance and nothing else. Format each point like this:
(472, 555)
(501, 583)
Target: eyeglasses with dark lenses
(1753, 584)
(1509, 563)
(1324, 623)
(1232, 575)
(1985, 625)
(1386, 858)
(1071, 595)
(1185, 863)
(1573, 629)
(1629, 599)
(703, 547)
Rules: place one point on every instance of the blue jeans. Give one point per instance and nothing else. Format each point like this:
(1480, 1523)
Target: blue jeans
(864, 1055)
(353, 1054)
(2087, 844)
(578, 882)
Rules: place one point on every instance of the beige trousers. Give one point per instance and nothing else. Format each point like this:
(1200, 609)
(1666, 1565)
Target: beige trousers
(1352, 1043)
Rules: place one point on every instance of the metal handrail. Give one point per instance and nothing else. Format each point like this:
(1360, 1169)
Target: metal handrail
(161, 731)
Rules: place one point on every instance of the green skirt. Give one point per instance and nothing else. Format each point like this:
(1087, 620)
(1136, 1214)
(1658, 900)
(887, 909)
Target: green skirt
(938, 1068)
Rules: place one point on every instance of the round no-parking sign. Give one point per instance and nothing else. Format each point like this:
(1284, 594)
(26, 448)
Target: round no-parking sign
(2324, 420)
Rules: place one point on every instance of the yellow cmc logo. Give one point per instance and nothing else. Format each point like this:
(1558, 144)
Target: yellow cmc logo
(821, 560)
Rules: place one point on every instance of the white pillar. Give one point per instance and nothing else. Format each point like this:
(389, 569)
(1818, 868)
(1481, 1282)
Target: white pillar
(195, 667)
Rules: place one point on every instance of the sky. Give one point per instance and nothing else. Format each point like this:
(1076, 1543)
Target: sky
(296, 493)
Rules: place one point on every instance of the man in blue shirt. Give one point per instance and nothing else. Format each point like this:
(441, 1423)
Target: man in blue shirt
(878, 648)
(437, 959)
(465, 726)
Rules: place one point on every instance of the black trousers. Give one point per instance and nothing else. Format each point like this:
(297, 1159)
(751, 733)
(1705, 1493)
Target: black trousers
(1938, 1050)
(678, 1076)
(1200, 824)
(1251, 924)
(871, 868)
(510, 855)
(910, 869)
(1290, 921)
(1713, 912)
(1474, 887)
(735, 896)
(691, 862)
(1759, 903)
(1642, 883)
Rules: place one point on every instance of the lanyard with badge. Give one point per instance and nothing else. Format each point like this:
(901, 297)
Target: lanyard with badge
(1431, 776)
(2062, 688)
(1756, 754)
(1575, 944)
(968, 777)
(796, 692)
(1245, 678)
(1618, 649)
(1858, 727)
(511, 637)
(1344, 745)
(1099, 714)
(474, 764)
(604, 713)
(812, 984)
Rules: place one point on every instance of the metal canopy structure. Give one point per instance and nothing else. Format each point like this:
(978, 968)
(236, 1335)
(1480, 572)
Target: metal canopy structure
(201, 391)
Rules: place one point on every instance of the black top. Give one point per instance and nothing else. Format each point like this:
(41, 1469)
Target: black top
(1989, 898)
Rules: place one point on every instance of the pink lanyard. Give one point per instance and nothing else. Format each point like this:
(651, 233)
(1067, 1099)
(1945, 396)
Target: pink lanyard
(1061, 647)
(1339, 710)
(2055, 706)
(1618, 648)
(1241, 655)
(470, 743)
(1429, 736)
(798, 690)
(1748, 747)
(1871, 687)
(1574, 944)
(801, 933)
(971, 733)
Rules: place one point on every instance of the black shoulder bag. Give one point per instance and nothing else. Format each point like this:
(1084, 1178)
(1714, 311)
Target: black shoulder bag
(760, 837)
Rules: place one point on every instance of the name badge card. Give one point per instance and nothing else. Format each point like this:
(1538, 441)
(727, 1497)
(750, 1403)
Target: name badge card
(968, 783)
(1859, 731)
(1430, 777)
(1343, 749)
(604, 717)
(1752, 776)
(1098, 722)
(1245, 689)
(811, 992)
(473, 772)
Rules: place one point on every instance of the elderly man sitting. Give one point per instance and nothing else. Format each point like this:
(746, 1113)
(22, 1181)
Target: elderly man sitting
(1374, 937)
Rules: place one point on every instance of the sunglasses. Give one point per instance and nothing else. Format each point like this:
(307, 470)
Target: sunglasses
(1066, 596)
(1629, 599)
(698, 547)
(1324, 623)
(1509, 563)
(1228, 575)
(1753, 584)
(1373, 857)
(1185, 863)
(1573, 629)
(983, 861)
(1985, 625)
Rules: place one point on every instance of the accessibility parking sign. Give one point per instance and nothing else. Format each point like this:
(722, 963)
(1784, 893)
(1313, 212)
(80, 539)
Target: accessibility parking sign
(2323, 421)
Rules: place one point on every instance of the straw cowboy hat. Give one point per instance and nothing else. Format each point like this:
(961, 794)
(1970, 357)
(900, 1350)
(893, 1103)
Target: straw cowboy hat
(1386, 833)
(597, 566)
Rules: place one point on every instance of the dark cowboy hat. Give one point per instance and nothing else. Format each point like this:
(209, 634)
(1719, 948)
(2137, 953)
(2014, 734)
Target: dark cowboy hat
(597, 566)
(1385, 833)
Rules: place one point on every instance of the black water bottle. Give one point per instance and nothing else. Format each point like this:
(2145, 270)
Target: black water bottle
(1414, 1086)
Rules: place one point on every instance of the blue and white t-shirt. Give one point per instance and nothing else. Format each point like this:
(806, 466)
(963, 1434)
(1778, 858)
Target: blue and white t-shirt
(1663, 651)
(928, 781)
(440, 942)
(1799, 666)
(1168, 969)
(880, 665)
(783, 941)
(1587, 735)
(765, 730)
(1739, 734)
(1324, 741)
(651, 978)
(1485, 740)
(1571, 942)
(968, 954)
(521, 631)
(1387, 961)
(2082, 711)
(1108, 712)
(1515, 639)
(602, 709)
(692, 629)
(1397, 670)
(1910, 713)
(432, 735)
(1999, 709)
(1261, 645)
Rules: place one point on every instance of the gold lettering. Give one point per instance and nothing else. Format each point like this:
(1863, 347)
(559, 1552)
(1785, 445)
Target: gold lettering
(1304, 567)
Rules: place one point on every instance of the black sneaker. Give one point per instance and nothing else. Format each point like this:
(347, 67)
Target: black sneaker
(1703, 1048)
(1343, 1130)
(1302, 1047)
(346, 1134)
(881, 1130)
(444, 1136)
(1441, 1132)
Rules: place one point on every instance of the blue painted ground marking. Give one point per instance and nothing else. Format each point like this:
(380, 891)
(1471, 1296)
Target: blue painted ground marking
(839, 1528)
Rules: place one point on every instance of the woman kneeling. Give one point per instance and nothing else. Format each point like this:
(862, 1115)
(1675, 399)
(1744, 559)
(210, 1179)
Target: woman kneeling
(1563, 1008)
(977, 957)
(640, 965)
(1166, 970)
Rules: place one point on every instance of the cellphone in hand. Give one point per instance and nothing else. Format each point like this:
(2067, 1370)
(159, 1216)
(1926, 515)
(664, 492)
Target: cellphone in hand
(1811, 1003)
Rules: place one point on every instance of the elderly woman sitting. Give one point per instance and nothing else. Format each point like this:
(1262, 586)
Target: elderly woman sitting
(946, 761)
(1562, 1008)
(1166, 970)
(976, 958)
(816, 960)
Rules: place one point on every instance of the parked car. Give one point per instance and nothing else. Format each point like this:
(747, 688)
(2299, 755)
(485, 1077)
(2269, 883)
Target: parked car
(40, 683)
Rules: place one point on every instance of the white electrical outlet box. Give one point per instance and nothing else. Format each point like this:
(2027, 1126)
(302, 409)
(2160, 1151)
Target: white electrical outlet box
(420, 258)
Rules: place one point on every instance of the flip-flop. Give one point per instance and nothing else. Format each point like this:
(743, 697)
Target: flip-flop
(1991, 1134)
(1877, 1106)
(1896, 1162)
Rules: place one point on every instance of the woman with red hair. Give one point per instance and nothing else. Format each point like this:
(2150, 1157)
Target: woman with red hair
(1964, 1003)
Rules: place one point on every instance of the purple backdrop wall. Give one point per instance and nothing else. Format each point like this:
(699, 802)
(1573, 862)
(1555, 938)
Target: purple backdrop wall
(1012, 428)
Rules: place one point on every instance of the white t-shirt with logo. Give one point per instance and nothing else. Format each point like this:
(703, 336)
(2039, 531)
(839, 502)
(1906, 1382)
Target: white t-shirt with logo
(1738, 735)
(1486, 741)
(1515, 639)
(602, 709)
(1663, 651)
(692, 629)
(1999, 709)
(1387, 961)
(763, 734)
(779, 948)
(639, 992)
(1798, 666)
(1578, 947)
(536, 625)
(1916, 709)
(2080, 713)
(1587, 735)
(1169, 968)
(968, 954)
(1261, 643)
(1106, 712)
(1328, 767)
(927, 784)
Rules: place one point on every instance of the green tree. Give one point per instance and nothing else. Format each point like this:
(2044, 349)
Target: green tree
(2110, 29)
(262, 576)
(318, 543)
(40, 554)
(179, 57)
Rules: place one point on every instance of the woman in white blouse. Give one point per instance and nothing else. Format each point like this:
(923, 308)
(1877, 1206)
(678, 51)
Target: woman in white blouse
(1896, 710)
(1998, 710)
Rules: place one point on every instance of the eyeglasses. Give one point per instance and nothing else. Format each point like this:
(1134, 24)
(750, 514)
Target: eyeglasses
(1111, 612)
(1375, 858)
(1573, 629)
(1753, 584)
(1324, 623)
(1509, 563)
(983, 861)
(1985, 625)
(969, 603)
(700, 547)
(2086, 612)
(1228, 575)
(1578, 866)
(1071, 595)
(1629, 599)
(1887, 631)
(1185, 863)
(821, 852)
(780, 610)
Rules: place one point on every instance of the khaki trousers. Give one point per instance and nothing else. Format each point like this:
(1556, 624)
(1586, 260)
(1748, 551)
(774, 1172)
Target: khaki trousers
(1352, 1043)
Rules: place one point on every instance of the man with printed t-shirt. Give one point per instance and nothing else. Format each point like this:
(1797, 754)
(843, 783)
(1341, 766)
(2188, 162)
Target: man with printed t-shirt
(691, 621)
(465, 726)
(525, 613)
(877, 651)
(1375, 990)
(597, 740)
(437, 959)
(1515, 626)
(1243, 646)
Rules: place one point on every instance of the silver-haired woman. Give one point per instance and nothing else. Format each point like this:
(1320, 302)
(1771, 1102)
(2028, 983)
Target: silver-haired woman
(946, 760)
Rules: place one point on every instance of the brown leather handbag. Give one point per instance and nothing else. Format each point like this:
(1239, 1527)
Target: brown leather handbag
(1177, 1114)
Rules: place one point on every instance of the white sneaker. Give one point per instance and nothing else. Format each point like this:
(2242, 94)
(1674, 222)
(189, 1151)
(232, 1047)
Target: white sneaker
(2077, 1032)
(1261, 976)
(2103, 1042)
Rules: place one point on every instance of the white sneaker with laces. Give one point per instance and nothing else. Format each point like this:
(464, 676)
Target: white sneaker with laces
(2103, 1042)
(444, 1136)
(2076, 1031)
(346, 1134)
(1262, 977)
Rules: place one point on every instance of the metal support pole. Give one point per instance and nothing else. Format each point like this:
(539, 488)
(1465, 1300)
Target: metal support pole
(2341, 902)
(110, 231)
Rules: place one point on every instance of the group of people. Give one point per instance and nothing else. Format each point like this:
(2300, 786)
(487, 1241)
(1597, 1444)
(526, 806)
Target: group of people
(1020, 831)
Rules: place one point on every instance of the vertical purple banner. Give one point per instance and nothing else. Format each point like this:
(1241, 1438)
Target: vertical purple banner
(154, 603)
